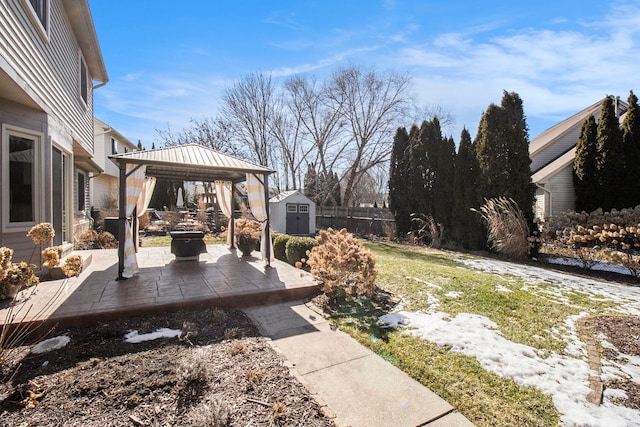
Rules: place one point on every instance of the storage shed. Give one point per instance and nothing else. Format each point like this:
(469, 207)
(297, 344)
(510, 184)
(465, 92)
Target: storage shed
(291, 212)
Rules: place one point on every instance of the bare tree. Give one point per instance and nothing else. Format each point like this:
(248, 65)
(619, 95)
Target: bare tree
(208, 132)
(372, 106)
(287, 129)
(320, 118)
(247, 108)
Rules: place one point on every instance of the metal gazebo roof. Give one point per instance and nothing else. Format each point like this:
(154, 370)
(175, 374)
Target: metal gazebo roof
(191, 162)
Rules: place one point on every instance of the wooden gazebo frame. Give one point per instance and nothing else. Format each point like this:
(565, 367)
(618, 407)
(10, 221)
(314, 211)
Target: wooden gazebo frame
(190, 162)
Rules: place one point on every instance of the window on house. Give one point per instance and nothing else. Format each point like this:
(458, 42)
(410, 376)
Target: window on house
(20, 171)
(41, 10)
(114, 146)
(82, 188)
(84, 81)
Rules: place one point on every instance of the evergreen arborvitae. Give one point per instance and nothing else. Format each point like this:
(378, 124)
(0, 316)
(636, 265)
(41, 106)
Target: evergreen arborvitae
(311, 183)
(502, 147)
(585, 163)
(467, 225)
(631, 148)
(399, 190)
(415, 179)
(610, 167)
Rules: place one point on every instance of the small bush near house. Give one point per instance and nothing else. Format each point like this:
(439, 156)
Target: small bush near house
(280, 246)
(92, 239)
(342, 264)
(612, 237)
(297, 247)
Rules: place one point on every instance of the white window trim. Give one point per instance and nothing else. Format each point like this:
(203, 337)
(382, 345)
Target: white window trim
(302, 208)
(45, 33)
(81, 60)
(292, 208)
(38, 137)
(68, 195)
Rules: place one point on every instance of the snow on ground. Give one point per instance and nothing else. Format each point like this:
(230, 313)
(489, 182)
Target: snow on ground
(564, 377)
(134, 337)
(50, 344)
(628, 297)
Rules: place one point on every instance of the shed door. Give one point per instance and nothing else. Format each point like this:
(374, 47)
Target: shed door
(297, 218)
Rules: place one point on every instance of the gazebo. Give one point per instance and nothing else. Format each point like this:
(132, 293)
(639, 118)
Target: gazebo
(190, 162)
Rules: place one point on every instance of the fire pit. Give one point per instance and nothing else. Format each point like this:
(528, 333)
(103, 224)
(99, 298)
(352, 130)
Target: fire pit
(187, 245)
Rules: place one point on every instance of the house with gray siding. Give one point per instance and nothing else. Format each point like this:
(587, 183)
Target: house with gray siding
(104, 186)
(50, 64)
(552, 153)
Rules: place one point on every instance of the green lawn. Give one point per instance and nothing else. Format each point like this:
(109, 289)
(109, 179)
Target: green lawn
(531, 314)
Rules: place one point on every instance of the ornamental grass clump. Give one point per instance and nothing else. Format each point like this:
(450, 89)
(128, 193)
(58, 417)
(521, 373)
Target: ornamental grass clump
(342, 264)
(507, 229)
(248, 233)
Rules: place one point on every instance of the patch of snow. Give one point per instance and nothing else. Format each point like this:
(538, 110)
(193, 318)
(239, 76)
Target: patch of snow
(51, 344)
(614, 393)
(565, 378)
(134, 337)
(626, 297)
(424, 282)
(501, 288)
(453, 294)
(600, 266)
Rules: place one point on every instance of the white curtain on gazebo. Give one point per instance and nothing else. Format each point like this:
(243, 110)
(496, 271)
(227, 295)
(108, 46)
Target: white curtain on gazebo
(224, 193)
(258, 206)
(135, 184)
(143, 201)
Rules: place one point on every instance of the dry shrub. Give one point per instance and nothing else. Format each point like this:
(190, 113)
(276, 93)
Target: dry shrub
(342, 264)
(238, 348)
(232, 333)
(215, 413)
(248, 233)
(279, 411)
(256, 376)
(219, 316)
(429, 232)
(508, 232)
(193, 367)
(390, 230)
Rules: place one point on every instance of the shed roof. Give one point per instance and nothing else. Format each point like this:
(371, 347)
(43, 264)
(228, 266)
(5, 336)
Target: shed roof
(285, 195)
(191, 162)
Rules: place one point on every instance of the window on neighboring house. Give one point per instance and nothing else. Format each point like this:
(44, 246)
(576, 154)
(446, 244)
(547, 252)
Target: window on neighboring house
(114, 146)
(84, 81)
(82, 191)
(41, 11)
(20, 171)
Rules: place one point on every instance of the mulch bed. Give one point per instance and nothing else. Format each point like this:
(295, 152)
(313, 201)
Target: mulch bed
(219, 372)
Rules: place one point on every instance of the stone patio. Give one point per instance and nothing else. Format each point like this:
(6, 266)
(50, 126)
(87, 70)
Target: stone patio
(221, 277)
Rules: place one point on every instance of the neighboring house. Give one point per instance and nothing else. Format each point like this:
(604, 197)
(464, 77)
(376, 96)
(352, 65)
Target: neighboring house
(552, 153)
(291, 212)
(104, 187)
(49, 61)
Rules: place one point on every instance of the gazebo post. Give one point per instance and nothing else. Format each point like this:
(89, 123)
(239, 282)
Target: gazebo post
(232, 222)
(122, 219)
(267, 226)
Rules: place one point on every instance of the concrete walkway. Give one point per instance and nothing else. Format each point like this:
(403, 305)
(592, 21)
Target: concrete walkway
(356, 385)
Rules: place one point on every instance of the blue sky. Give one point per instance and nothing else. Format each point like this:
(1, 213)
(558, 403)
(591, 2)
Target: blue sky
(171, 61)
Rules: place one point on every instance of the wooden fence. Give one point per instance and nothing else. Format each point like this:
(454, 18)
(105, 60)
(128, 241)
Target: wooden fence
(361, 221)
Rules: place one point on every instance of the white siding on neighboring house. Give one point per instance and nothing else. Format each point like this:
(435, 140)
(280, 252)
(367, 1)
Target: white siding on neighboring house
(552, 153)
(104, 187)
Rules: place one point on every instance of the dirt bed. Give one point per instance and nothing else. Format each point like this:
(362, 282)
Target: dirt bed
(218, 372)
(623, 334)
